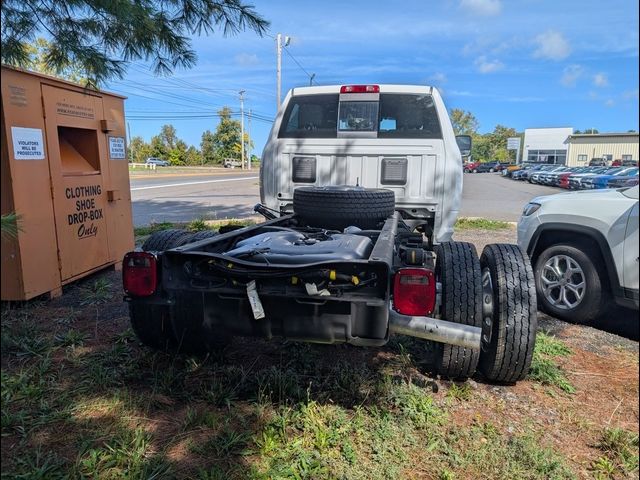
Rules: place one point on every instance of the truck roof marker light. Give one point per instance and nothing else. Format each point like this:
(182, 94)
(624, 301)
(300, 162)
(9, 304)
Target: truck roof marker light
(414, 291)
(360, 89)
(139, 274)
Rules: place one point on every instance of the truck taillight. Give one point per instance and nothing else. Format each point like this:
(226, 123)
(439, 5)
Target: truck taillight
(360, 89)
(139, 274)
(414, 291)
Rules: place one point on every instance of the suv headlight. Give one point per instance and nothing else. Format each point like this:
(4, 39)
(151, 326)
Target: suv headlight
(530, 208)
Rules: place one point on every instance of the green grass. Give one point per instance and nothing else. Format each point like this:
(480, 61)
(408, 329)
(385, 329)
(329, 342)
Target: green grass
(80, 405)
(620, 448)
(465, 223)
(544, 368)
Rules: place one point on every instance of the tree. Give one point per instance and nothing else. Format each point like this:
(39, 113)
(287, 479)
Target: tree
(464, 123)
(208, 147)
(591, 131)
(193, 156)
(178, 154)
(101, 37)
(37, 62)
(226, 139)
(168, 136)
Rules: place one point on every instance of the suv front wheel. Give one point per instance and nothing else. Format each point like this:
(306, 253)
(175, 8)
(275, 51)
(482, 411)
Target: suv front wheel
(569, 283)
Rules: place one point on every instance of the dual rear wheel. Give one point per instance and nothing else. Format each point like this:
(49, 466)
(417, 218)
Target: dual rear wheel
(497, 293)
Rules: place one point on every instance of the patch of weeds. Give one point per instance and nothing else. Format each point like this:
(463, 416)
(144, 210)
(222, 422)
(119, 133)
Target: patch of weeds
(544, 369)
(417, 405)
(70, 338)
(621, 453)
(549, 345)
(195, 418)
(227, 442)
(38, 465)
(25, 340)
(96, 293)
(460, 392)
(125, 455)
(480, 224)
(214, 473)
(152, 228)
(481, 451)
(198, 225)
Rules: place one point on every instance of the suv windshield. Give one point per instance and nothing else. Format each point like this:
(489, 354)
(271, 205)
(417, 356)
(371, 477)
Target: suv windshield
(394, 116)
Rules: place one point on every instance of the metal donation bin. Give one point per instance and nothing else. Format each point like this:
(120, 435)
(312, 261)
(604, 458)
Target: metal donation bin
(65, 174)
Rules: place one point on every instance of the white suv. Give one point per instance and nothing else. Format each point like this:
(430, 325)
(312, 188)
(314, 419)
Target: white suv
(584, 249)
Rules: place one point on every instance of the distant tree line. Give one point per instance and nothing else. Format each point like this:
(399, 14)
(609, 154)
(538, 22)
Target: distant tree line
(215, 147)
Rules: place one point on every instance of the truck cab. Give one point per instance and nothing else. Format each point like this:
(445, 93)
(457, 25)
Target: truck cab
(397, 137)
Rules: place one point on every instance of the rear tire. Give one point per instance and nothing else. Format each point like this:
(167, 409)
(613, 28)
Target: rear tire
(509, 330)
(458, 270)
(152, 325)
(166, 239)
(339, 207)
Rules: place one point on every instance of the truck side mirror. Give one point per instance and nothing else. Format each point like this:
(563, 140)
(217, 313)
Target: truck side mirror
(464, 144)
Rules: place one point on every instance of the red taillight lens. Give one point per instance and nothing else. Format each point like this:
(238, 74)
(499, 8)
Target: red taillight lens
(360, 89)
(139, 274)
(414, 291)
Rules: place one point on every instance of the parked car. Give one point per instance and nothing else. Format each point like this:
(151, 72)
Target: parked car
(535, 176)
(598, 162)
(562, 180)
(584, 249)
(623, 181)
(470, 167)
(228, 163)
(600, 181)
(575, 181)
(157, 161)
(526, 170)
(547, 178)
(489, 167)
(629, 163)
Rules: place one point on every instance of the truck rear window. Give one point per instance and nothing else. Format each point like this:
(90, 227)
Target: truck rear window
(394, 116)
(310, 116)
(408, 116)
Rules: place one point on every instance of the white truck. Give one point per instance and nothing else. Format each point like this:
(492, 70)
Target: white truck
(361, 186)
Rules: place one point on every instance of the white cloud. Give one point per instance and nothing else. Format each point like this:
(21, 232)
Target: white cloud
(552, 45)
(571, 74)
(600, 79)
(482, 7)
(609, 103)
(247, 59)
(485, 65)
(438, 78)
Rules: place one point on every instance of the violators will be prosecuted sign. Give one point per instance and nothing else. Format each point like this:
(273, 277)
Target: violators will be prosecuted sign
(27, 143)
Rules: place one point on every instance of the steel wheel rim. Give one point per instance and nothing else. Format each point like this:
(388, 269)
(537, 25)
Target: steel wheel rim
(563, 282)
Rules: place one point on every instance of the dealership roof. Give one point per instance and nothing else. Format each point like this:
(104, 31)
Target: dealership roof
(596, 135)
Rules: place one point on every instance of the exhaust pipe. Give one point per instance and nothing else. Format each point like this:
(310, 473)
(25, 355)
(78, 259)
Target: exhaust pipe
(442, 331)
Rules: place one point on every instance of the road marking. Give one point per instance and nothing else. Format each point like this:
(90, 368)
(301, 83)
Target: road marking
(193, 183)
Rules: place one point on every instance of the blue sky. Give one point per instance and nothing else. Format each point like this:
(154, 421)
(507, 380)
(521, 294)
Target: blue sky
(527, 63)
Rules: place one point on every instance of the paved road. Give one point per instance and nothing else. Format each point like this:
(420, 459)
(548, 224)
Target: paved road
(490, 195)
(181, 198)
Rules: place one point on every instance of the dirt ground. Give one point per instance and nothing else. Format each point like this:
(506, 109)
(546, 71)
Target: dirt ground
(81, 398)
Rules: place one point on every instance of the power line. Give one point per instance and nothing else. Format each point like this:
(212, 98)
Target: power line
(311, 76)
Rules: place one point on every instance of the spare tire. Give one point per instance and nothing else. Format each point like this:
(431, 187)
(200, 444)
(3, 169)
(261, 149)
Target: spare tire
(341, 206)
(166, 239)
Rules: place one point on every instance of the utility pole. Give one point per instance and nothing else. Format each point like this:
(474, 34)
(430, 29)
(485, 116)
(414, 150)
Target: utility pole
(242, 128)
(129, 142)
(279, 46)
(313, 75)
(249, 144)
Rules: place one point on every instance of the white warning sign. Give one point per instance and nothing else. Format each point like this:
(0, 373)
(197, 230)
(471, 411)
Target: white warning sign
(117, 148)
(27, 143)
